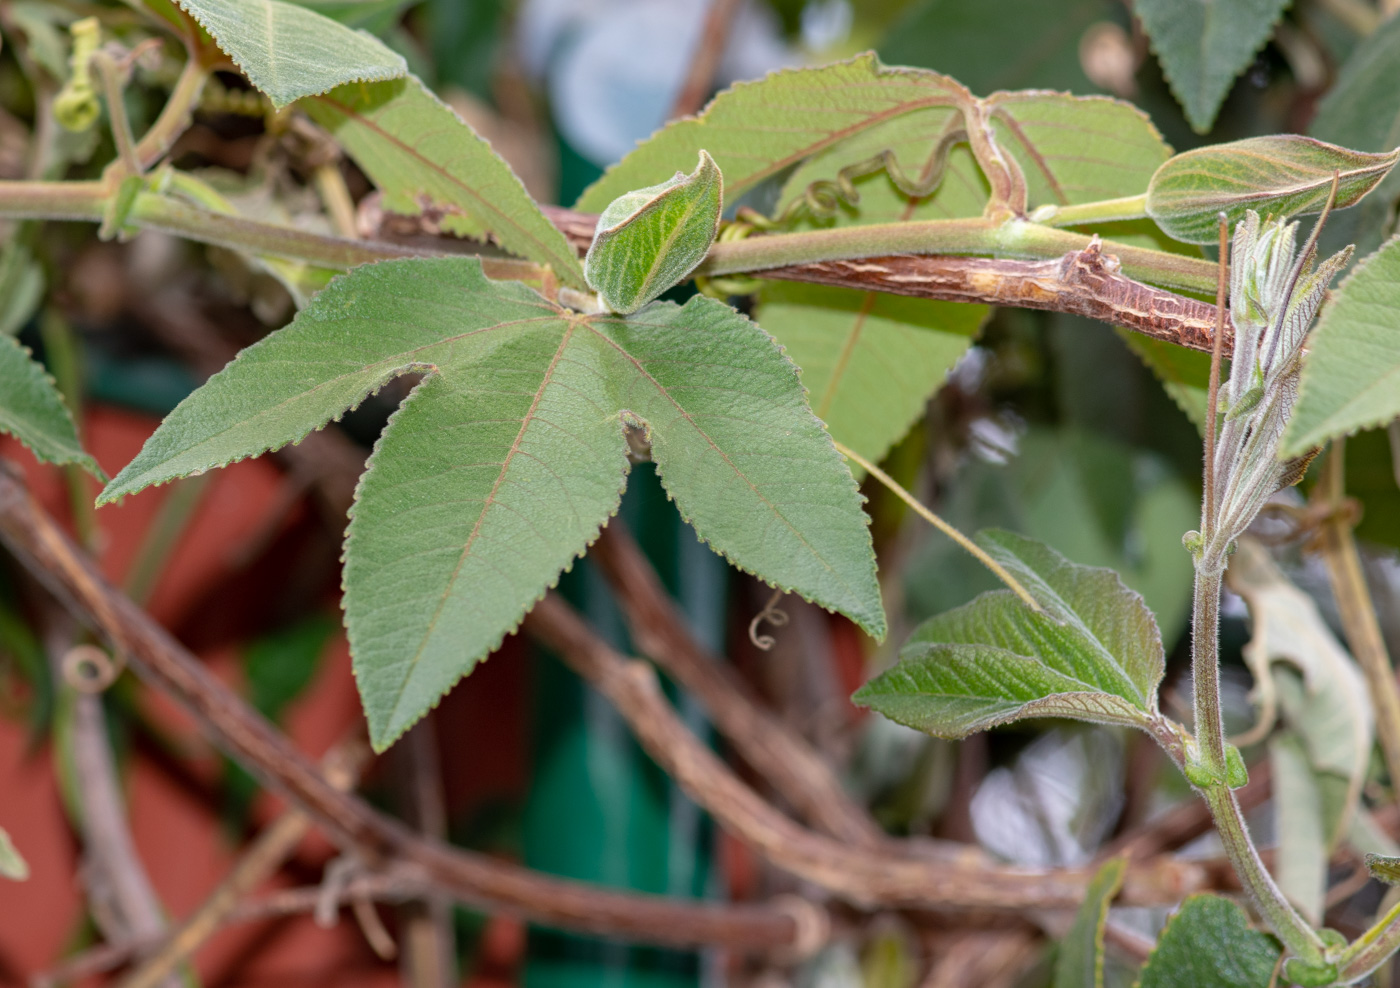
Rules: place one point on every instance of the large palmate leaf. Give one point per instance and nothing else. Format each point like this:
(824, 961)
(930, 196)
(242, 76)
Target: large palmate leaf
(869, 360)
(1351, 377)
(507, 459)
(1204, 46)
(1092, 652)
(1208, 944)
(424, 157)
(1362, 110)
(1079, 960)
(32, 410)
(756, 129)
(288, 51)
(1284, 174)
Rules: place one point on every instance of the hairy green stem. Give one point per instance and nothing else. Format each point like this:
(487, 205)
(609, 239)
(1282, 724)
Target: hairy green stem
(1103, 211)
(1372, 949)
(112, 85)
(1014, 239)
(176, 115)
(1283, 919)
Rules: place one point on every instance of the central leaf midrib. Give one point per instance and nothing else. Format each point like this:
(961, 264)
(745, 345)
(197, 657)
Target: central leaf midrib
(486, 506)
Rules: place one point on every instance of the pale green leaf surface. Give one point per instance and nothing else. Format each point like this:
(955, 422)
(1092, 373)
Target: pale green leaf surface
(504, 463)
(12, 865)
(756, 129)
(1351, 376)
(1092, 653)
(32, 410)
(1203, 47)
(1208, 944)
(423, 157)
(869, 360)
(288, 51)
(1283, 174)
(653, 238)
(1362, 110)
(1300, 865)
(1079, 961)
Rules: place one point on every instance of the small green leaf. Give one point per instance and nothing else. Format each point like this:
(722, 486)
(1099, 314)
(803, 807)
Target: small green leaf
(32, 410)
(504, 463)
(1351, 376)
(1384, 867)
(288, 52)
(1208, 944)
(12, 866)
(1079, 963)
(869, 360)
(756, 129)
(1092, 653)
(1283, 175)
(651, 239)
(424, 157)
(1204, 46)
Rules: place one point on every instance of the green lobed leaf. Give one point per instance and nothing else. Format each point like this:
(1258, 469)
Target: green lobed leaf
(1351, 376)
(288, 51)
(1079, 962)
(652, 239)
(424, 157)
(504, 463)
(754, 130)
(1208, 944)
(869, 360)
(12, 865)
(32, 410)
(1092, 653)
(1203, 47)
(1285, 175)
(1362, 110)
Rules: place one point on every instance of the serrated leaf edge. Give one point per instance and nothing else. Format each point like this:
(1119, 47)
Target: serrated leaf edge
(85, 460)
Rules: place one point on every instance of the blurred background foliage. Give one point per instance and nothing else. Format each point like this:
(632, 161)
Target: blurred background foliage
(1050, 426)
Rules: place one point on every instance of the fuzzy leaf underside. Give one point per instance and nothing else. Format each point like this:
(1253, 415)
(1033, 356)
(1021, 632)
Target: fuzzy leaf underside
(508, 458)
(1283, 175)
(754, 130)
(869, 360)
(650, 240)
(1208, 944)
(1093, 653)
(423, 156)
(288, 51)
(1203, 47)
(1351, 375)
(1079, 960)
(32, 410)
